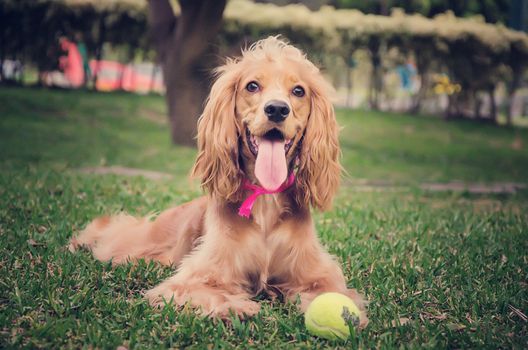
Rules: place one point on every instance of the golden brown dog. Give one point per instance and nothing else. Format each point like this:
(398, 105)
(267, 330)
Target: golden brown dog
(268, 116)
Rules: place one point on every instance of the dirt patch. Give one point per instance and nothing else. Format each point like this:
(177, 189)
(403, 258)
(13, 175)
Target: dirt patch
(362, 185)
(120, 170)
(477, 188)
(357, 185)
(154, 116)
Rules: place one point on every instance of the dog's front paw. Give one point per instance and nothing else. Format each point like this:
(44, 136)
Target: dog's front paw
(361, 303)
(243, 308)
(358, 299)
(162, 295)
(212, 302)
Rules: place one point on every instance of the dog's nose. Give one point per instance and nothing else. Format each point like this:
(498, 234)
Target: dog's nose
(276, 110)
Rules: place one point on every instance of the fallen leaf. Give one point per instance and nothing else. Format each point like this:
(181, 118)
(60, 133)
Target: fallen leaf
(401, 322)
(456, 326)
(517, 143)
(518, 312)
(439, 317)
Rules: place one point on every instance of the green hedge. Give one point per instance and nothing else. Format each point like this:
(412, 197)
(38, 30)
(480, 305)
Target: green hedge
(476, 54)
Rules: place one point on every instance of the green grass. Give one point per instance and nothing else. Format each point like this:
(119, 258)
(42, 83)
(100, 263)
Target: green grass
(408, 149)
(440, 269)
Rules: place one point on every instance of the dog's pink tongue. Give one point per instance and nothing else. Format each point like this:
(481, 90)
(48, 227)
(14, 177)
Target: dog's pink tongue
(270, 168)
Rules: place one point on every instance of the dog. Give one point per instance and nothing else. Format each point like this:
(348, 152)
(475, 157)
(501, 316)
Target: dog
(268, 151)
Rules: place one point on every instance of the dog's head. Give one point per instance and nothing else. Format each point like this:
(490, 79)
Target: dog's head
(267, 112)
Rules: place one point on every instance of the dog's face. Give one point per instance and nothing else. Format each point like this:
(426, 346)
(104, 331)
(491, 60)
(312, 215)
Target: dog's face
(268, 111)
(272, 108)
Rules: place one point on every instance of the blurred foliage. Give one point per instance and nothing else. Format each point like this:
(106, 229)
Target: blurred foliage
(475, 54)
(444, 86)
(492, 10)
(31, 29)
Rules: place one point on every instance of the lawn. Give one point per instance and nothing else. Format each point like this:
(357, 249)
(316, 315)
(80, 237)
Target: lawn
(440, 269)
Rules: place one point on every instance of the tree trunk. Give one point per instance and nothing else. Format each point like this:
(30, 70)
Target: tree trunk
(512, 89)
(420, 95)
(375, 83)
(509, 114)
(153, 77)
(349, 86)
(2, 56)
(99, 49)
(493, 105)
(376, 76)
(186, 57)
(129, 64)
(422, 67)
(349, 81)
(454, 109)
(476, 105)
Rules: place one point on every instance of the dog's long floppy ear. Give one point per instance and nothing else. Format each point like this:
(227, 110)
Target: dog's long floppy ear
(319, 168)
(217, 161)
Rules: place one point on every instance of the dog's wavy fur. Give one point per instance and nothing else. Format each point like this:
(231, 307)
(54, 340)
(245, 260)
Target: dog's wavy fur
(223, 259)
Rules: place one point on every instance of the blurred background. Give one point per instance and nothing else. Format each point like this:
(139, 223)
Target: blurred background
(453, 59)
(99, 101)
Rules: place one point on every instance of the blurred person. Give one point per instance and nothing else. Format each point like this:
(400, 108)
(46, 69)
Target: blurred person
(407, 74)
(11, 70)
(49, 68)
(83, 51)
(72, 63)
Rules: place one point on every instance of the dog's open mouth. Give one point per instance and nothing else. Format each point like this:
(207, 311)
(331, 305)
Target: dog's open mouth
(270, 150)
(273, 134)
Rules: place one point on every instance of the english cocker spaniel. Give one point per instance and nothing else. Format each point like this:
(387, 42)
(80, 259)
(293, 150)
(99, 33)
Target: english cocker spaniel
(268, 151)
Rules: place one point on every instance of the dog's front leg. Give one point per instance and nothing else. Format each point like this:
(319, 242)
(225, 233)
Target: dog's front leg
(204, 294)
(303, 269)
(219, 274)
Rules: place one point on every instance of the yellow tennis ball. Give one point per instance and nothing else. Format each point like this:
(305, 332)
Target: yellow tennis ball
(328, 315)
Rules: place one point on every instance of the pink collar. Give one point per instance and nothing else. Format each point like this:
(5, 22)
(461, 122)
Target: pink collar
(247, 205)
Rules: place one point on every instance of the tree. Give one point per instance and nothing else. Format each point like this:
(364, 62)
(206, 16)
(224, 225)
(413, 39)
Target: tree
(186, 56)
(492, 10)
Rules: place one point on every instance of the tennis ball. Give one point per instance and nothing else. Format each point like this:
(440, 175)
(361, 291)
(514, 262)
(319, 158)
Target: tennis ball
(328, 315)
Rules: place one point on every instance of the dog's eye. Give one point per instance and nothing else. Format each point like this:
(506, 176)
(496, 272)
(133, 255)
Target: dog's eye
(252, 86)
(298, 91)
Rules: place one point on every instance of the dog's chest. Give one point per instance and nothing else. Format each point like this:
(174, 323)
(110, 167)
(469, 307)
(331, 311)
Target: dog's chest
(272, 244)
(266, 213)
